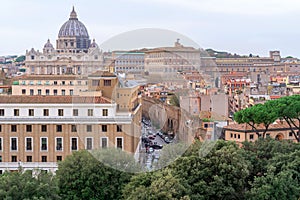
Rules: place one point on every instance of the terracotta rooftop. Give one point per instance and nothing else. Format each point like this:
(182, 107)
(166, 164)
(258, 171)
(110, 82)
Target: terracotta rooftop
(5, 86)
(52, 99)
(247, 128)
(275, 96)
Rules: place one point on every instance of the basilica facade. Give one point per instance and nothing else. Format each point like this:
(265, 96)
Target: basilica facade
(74, 52)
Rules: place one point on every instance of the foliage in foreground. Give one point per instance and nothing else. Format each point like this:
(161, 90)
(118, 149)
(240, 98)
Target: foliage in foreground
(265, 169)
(82, 176)
(23, 185)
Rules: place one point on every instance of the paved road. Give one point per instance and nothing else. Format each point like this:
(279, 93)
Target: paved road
(153, 156)
(159, 140)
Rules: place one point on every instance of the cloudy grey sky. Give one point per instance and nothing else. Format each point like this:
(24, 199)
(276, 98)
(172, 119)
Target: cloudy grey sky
(237, 26)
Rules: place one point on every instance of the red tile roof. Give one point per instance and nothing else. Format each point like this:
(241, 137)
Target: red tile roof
(245, 127)
(275, 97)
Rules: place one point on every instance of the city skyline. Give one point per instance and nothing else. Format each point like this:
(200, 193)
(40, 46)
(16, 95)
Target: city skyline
(237, 27)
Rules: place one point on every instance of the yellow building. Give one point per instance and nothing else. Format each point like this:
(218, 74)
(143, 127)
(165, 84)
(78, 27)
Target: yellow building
(42, 121)
(243, 132)
(57, 85)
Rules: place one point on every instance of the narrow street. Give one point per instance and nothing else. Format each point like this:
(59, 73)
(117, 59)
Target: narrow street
(152, 144)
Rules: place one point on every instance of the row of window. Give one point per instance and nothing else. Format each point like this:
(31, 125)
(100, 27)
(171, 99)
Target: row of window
(60, 112)
(131, 57)
(89, 143)
(172, 55)
(210, 125)
(232, 64)
(89, 128)
(170, 63)
(29, 159)
(126, 68)
(97, 83)
(249, 69)
(238, 136)
(125, 62)
(251, 136)
(47, 92)
(53, 82)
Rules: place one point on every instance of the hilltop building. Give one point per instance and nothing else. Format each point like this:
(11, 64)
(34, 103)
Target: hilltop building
(162, 60)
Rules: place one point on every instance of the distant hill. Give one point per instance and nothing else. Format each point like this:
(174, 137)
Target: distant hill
(224, 54)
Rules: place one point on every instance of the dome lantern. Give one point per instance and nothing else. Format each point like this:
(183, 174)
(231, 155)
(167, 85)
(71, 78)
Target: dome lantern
(94, 44)
(73, 14)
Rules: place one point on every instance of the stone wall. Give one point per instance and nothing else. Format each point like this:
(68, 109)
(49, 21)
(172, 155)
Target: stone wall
(170, 119)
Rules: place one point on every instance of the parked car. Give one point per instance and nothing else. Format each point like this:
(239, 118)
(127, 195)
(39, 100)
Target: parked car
(167, 140)
(159, 133)
(151, 150)
(147, 145)
(156, 146)
(151, 137)
(145, 140)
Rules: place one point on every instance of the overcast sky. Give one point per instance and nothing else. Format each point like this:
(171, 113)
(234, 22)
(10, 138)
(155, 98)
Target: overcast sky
(237, 26)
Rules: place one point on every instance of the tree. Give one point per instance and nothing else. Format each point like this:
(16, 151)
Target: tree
(275, 186)
(117, 159)
(23, 185)
(221, 174)
(282, 178)
(288, 109)
(137, 187)
(81, 176)
(155, 186)
(20, 59)
(170, 153)
(174, 101)
(264, 169)
(256, 115)
(261, 152)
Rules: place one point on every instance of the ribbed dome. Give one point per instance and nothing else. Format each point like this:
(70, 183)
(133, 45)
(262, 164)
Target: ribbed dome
(48, 44)
(94, 44)
(73, 27)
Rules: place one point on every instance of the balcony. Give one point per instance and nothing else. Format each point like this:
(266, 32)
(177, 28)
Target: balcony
(28, 165)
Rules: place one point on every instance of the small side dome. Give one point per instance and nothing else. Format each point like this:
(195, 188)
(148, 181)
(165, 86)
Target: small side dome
(94, 44)
(48, 45)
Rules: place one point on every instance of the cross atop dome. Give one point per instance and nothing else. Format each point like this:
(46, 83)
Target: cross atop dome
(73, 14)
